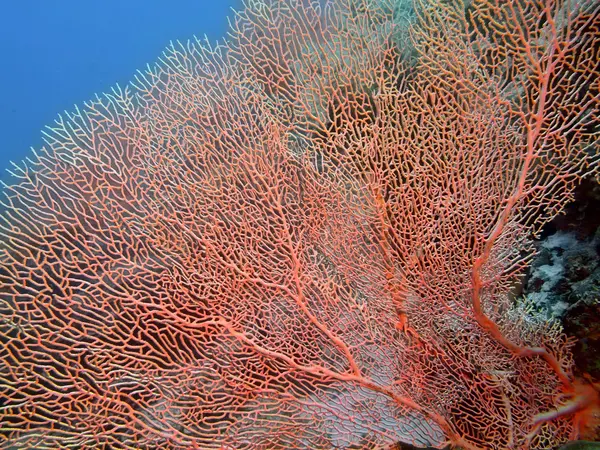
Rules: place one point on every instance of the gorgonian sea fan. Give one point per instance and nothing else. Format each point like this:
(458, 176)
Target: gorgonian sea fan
(306, 238)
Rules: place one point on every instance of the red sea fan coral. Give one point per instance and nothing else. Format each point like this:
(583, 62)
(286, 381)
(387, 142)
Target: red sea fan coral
(307, 238)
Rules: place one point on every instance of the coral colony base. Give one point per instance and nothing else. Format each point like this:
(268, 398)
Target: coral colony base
(308, 237)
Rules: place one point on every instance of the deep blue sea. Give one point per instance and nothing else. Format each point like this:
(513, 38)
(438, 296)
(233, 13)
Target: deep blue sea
(55, 54)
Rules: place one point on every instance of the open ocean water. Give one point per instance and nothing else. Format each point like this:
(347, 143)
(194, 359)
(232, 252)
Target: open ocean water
(57, 54)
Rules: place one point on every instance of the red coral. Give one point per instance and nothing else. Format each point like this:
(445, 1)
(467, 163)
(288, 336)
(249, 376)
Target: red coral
(301, 240)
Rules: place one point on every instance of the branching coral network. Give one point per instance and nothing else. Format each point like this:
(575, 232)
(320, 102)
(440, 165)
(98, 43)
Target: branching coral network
(308, 237)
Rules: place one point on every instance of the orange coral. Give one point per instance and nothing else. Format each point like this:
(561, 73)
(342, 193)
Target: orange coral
(305, 239)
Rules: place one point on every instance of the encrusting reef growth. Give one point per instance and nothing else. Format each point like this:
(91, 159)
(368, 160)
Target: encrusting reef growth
(307, 237)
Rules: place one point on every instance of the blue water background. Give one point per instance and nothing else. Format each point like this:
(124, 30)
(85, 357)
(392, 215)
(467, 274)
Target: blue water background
(55, 54)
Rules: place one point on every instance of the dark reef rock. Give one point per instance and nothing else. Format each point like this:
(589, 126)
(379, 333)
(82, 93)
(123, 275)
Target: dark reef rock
(564, 279)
